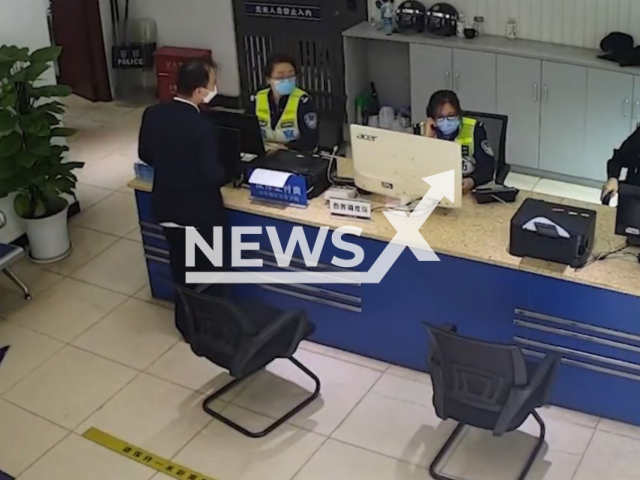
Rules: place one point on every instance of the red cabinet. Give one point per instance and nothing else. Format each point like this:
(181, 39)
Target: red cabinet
(168, 62)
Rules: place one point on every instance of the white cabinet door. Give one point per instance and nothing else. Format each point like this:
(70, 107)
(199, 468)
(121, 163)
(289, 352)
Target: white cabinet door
(609, 112)
(474, 80)
(519, 89)
(430, 71)
(636, 105)
(564, 110)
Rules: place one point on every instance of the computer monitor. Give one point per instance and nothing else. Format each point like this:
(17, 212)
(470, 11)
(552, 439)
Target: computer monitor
(238, 134)
(628, 216)
(394, 163)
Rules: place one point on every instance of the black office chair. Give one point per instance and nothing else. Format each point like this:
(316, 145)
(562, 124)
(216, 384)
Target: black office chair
(486, 385)
(496, 127)
(243, 338)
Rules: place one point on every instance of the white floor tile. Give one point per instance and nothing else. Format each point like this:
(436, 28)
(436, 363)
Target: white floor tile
(112, 172)
(121, 268)
(67, 309)
(568, 190)
(106, 112)
(276, 390)
(183, 367)
(150, 413)
(70, 386)
(337, 461)
(405, 389)
(135, 334)
(610, 457)
(346, 356)
(619, 428)
(27, 351)
(406, 431)
(135, 235)
(550, 413)
(116, 215)
(10, 302)
(562, 436)
(24, 438)
(410, 374)
(220, 452)
(521, 182)
(87, 244)
(89, 195)
(145, 294)
(80, 459)
(481, 456)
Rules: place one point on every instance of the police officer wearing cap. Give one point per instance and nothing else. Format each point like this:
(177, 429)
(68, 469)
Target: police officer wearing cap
(446, 121)
(286, 114)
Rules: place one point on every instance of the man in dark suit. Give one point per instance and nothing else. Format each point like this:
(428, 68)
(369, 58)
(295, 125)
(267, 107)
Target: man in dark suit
(181, 145)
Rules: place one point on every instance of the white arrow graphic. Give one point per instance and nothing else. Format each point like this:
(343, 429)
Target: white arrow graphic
(408, 235)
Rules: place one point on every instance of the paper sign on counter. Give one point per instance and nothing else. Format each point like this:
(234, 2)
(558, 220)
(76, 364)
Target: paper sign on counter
(270, 178)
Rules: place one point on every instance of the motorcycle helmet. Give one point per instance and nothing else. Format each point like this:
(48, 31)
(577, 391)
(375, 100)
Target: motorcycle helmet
(411, 16)
(442, 19)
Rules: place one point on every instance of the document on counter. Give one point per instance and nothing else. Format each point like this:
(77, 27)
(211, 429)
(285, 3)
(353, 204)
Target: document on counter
(270, 178)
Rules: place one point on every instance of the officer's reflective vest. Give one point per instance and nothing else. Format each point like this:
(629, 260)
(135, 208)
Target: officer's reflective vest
(287, 128)
(466, 139)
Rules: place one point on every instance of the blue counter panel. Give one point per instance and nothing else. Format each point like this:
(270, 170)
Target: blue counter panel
(385, 321)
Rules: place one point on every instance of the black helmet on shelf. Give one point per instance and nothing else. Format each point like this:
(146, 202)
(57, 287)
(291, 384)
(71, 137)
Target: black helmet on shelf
(442, 19)
(411, 16)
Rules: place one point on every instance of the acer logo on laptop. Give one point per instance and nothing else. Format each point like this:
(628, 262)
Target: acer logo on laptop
(368, 138)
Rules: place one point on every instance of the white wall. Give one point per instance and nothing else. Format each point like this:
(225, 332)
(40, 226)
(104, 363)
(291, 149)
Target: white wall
(190, 23)
(581, 23)
(22, 23)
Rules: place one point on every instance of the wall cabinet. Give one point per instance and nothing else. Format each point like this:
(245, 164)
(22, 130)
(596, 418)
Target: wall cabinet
(564, 106)
(519, 84)
(472, 75)
(636, 104)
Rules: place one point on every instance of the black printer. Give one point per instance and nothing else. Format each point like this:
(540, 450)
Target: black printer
(553, 232)
(313, 168)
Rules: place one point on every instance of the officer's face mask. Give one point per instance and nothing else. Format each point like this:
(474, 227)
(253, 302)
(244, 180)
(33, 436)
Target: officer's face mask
(285, 87)
(448, 125)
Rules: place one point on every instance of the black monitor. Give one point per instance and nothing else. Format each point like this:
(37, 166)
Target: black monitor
(238, 133)
(628, 216)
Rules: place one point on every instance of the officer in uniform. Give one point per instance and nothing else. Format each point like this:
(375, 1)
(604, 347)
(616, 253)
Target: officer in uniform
(624, 166)
(445, 120)
(286, 114)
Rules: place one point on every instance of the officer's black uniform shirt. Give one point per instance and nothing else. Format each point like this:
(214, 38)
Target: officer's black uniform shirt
(308, 122)
(627, 156)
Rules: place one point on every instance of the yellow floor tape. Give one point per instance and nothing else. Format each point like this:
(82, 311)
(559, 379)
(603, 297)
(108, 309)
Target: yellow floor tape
(142, 456)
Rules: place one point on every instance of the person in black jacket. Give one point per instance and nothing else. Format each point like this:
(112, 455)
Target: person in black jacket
(624, 166)
(446, 121)
(181, 145)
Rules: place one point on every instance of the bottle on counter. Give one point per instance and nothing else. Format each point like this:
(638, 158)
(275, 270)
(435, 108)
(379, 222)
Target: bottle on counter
(461, 24)
(478, 24)
(387, 13)
(512, 29)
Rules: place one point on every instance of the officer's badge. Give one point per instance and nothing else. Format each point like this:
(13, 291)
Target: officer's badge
(305, 99)
(486, 146)
(311, 120)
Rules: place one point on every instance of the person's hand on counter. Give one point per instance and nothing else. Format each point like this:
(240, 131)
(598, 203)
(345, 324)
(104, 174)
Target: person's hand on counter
(611, 187)
(467, 185)
(274, 147)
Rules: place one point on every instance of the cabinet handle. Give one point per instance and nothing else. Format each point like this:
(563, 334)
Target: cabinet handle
(546, 94)
(536, 95)
(626, 107)
(447, 79)
(457, 80)
(636, 109)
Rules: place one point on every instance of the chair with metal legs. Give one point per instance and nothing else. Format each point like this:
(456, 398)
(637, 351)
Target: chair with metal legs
(486, 385)
(243, 337)
(8, 255)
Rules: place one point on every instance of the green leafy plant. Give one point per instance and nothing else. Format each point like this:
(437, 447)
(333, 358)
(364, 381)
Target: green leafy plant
(32, 157)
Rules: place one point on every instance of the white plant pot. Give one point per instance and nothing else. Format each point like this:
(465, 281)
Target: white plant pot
(48, 237)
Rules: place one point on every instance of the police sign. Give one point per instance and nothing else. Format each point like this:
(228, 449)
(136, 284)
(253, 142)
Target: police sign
(293, 12)
(132, 56)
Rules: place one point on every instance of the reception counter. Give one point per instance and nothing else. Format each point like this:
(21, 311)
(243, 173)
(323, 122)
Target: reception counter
(590, 316)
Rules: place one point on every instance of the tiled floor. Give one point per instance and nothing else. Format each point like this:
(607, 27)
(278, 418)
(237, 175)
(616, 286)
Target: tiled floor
(93, 349)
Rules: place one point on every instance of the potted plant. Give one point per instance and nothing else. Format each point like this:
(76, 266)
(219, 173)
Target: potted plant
(33, 162)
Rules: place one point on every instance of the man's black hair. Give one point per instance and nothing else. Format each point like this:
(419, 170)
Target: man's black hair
(278, 58)
(441, 98)
(194, 74)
